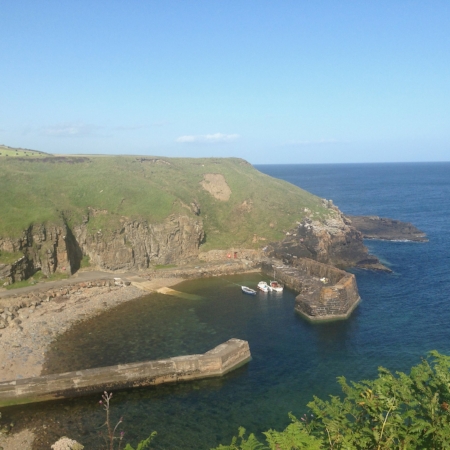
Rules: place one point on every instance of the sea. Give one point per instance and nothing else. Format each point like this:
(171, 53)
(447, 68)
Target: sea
(402, 316)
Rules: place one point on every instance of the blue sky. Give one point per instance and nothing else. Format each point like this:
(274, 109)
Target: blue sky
(268, 81)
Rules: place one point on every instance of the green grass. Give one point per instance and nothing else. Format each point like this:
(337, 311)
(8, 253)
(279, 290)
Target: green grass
(20, 284)
(115, 189)
(164, 266)
(85, 262)
(38, 277)
(9, 258)
(6, 151)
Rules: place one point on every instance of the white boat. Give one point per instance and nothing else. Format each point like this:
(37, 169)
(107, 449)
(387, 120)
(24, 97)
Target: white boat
(247, 290)
(263, 286)
(275, 286)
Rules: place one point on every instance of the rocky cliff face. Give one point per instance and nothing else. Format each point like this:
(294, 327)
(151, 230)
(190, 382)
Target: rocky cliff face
(135, 245)
(44, 248)
(332, 241)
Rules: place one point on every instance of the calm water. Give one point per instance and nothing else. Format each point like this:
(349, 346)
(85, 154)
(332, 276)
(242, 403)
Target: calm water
(402, 316)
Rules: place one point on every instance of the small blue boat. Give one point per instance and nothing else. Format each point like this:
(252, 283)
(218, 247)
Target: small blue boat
(247, 290)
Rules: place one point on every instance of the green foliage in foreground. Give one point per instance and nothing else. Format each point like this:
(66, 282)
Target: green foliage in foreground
(143, 444)
(395, 411)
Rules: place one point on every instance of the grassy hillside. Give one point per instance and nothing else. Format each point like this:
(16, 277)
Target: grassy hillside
(39, 189)
(20, 152)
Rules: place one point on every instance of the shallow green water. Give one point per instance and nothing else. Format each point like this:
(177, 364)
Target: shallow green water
(190, 415)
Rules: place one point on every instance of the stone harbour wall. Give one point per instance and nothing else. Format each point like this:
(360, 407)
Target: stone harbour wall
(216, 362)
(324, 292)
(231, 254)
(319, 270)
(332, 302)
(211, 269)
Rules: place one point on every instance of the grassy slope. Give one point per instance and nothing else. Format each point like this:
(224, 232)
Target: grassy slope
(37, 190)
(21, 152)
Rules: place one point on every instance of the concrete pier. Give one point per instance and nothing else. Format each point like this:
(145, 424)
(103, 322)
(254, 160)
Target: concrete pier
(216, 362)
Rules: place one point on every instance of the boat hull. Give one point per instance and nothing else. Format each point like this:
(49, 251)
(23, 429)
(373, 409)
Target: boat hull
(248, 291)
(275, 286)
(263, 286)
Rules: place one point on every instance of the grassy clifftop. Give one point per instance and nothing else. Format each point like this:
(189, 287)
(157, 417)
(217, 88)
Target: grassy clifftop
(20, 152)
(238, 205)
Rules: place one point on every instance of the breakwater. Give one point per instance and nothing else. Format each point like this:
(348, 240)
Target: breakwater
(216, 362)
(325, 292)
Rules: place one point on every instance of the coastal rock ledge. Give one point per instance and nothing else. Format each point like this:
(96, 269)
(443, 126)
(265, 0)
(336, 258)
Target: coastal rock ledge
(374, 227)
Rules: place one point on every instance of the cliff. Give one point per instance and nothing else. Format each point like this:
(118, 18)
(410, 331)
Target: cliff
(136, 244)
(332, 240)
(128, 213)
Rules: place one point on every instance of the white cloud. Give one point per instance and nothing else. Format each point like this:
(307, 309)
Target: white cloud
(314, 142)
(70, 130)
(207, 138)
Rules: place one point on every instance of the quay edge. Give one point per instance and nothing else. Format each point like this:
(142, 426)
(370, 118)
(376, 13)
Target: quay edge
(214, 363)
(325, 293)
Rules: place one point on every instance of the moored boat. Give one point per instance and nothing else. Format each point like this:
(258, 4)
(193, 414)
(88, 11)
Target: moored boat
(275, 286)
(247, 290)
(263, 286)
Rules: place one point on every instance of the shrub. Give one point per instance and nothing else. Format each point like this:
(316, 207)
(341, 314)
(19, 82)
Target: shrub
(394, 411)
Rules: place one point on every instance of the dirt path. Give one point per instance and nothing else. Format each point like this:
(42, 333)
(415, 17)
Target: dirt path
(80, 276)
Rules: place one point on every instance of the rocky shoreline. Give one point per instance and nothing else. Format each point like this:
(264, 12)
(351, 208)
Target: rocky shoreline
(35, 319)
(31, 322)
(374, 227)
(31, 318)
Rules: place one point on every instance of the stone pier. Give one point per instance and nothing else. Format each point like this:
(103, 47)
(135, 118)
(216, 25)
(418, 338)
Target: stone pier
(325, 292)
(216, 362)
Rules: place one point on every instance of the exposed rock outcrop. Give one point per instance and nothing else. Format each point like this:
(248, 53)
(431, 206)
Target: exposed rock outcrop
(374, 227)
(19, 308)
(44, 247)
(19, 270)
(135, 245)
(332, 241)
